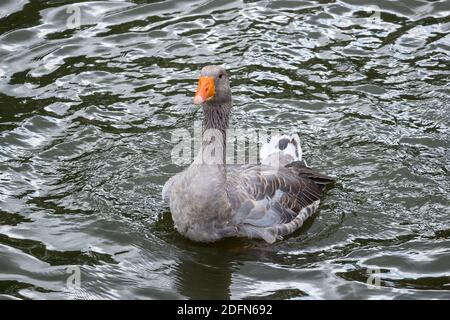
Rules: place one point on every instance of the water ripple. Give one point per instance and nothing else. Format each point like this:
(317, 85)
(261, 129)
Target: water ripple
(85, 120)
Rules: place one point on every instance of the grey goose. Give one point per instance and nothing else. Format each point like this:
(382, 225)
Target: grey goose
(211, 200)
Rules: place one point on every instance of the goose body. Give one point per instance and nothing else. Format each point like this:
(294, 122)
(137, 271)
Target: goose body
(267, 200)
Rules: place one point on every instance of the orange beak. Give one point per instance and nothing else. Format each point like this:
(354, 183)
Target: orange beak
(205, 90)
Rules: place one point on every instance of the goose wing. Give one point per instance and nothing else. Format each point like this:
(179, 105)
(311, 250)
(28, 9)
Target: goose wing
(270, 203)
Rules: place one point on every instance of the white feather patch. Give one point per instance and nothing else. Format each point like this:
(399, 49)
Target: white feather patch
(292, 149)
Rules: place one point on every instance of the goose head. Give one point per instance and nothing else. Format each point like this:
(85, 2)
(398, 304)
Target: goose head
(213, 89)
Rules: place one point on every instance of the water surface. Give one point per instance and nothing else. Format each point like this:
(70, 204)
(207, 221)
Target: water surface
(86, 115)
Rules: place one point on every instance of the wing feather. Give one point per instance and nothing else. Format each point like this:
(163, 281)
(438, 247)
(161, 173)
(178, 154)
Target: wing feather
(270, 203)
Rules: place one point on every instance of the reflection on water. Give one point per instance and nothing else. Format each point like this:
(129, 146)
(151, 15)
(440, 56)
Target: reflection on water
(201, 279)
(91, 91)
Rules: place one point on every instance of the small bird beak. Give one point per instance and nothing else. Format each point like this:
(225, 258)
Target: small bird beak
(205, 90)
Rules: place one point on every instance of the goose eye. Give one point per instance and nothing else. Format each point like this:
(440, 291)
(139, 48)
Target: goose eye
(220, 76)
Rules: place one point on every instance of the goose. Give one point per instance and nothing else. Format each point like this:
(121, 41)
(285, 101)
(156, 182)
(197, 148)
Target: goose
(213, 200)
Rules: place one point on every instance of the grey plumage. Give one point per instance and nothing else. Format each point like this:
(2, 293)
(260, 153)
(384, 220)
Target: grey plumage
(209, 202)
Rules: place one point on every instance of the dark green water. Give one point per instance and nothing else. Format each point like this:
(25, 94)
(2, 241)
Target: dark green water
(86, 116)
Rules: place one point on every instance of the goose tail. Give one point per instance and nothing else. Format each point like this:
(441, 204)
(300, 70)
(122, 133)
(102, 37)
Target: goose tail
(282, 150)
